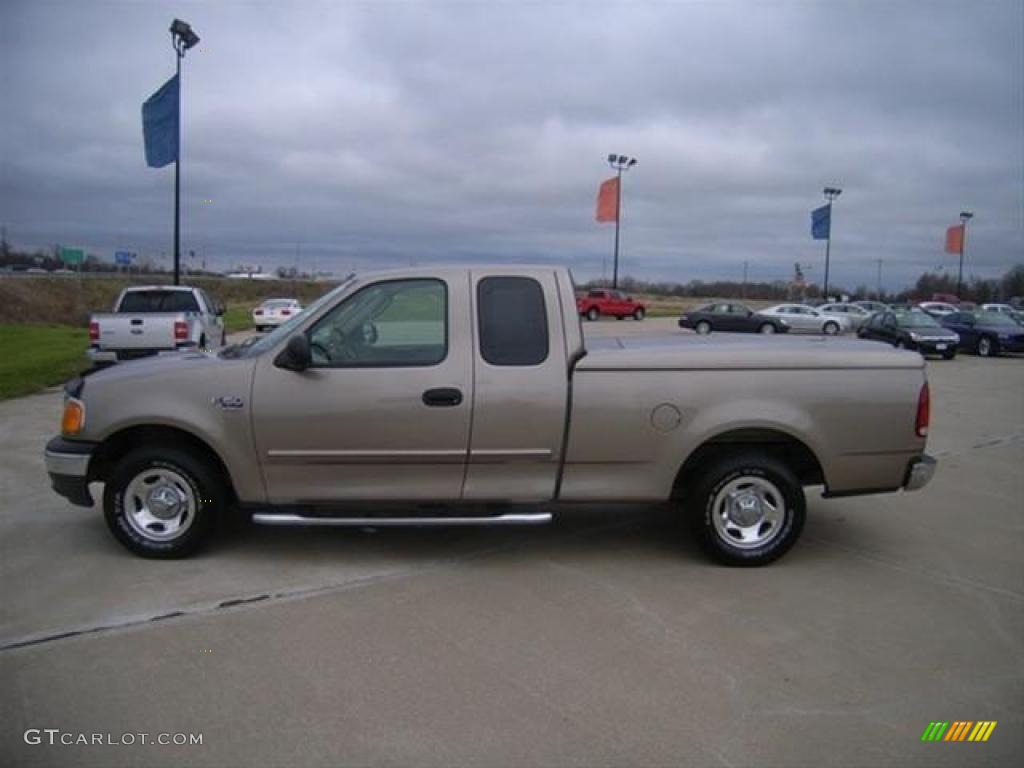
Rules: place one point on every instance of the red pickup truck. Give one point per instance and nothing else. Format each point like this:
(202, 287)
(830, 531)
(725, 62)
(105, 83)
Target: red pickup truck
(613, 303)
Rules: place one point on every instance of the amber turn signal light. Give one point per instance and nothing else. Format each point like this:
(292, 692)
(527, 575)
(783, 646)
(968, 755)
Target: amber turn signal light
(73, 420)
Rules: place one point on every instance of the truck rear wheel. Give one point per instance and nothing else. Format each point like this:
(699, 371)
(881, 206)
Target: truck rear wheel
(160, 502)
(638, 313)
(747, 509)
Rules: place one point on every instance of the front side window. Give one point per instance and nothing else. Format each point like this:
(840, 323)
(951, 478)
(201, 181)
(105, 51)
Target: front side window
(513, 321)
(395, 323)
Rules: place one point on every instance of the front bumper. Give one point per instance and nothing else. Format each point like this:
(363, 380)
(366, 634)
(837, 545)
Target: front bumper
(936, 346)
(919, 473)
(67, 463)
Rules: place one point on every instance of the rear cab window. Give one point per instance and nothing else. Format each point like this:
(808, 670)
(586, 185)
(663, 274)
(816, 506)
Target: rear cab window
(512, 320)
(142, 302)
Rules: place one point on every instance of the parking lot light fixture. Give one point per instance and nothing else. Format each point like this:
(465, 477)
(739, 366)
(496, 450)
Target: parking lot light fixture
(618, 163)
(183, 37)
(831, 193)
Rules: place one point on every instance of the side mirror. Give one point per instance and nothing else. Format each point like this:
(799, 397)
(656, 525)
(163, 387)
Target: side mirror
(296, 355)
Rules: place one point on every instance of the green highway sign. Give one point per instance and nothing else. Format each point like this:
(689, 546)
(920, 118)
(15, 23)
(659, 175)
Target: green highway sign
(72, 255)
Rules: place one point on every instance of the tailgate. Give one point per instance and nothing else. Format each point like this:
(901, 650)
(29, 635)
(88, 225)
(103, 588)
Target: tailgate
(141, 331)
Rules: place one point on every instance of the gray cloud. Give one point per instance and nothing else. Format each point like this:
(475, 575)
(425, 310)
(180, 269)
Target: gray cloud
(390, 132)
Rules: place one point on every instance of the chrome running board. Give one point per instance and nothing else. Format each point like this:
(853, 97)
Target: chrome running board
(268, 518)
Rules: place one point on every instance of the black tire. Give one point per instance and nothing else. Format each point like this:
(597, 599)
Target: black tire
(202, 481)
(758, 469)
(202, 341)
(830, 328)
(593, 314)
(987, 347)
(703, 327)
(949, 355)
(223, 338)
(638, 313)
(767, 328)
(898, 344)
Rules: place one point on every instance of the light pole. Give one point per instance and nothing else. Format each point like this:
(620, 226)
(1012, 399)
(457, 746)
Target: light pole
(831, 193)
(182, 38)
(965, 216)
(619, 163)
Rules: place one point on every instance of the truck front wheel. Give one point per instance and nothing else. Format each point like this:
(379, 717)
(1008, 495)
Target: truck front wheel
(593, 313)
(747, 509)
(160, 502)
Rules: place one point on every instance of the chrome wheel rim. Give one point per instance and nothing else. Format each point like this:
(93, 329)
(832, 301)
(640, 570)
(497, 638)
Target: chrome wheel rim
(984, 347)
(831, 329)
(703, 329)
(767, 328)
(159, 504)
(748, 512)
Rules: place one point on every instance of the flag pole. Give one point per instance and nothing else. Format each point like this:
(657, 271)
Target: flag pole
(618, 212)
(831, 193)
(183, 37)
(965, 216)
(619, 163)
(178, 53)
(828, 247)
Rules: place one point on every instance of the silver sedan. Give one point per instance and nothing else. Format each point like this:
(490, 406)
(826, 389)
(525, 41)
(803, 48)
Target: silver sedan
(801, 318)
(855, 314)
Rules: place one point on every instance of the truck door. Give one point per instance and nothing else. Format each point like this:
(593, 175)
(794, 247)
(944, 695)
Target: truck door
(384, 411)
(520, 386)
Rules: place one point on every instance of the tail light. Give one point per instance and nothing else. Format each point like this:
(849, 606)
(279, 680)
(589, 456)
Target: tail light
(258, 312)
(180, 330)
(94, 331)
(286, 311)
(924, 411)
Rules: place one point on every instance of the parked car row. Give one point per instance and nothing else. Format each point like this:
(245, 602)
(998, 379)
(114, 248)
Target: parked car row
(986, 332)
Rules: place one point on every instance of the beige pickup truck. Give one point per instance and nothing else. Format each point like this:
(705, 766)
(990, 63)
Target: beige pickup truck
(467, 396)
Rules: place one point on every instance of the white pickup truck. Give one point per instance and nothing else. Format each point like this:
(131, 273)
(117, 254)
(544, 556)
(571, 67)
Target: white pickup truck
(149, 319)
(468, 396)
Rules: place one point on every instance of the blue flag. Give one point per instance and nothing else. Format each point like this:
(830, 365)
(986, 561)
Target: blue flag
(160, 125)
(821, 222)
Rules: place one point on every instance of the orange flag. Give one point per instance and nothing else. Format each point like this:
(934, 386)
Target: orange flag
(955, 239)
(608, 201)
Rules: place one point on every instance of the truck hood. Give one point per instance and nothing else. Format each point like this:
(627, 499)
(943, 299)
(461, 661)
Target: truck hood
(190, 363)
(735, 352)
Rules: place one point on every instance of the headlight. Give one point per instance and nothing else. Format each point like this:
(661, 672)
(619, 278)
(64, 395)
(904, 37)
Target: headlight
(914, 336)
(73, 420)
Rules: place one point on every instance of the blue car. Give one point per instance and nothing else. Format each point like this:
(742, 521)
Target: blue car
(986, 333)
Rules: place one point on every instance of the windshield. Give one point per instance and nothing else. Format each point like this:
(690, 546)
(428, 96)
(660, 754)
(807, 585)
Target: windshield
(257, 346)
(916, 320)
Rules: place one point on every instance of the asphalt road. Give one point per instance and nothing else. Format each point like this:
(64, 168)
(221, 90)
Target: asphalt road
(603, 639)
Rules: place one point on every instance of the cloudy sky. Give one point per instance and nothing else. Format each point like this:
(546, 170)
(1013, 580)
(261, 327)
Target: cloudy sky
(366, 133)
